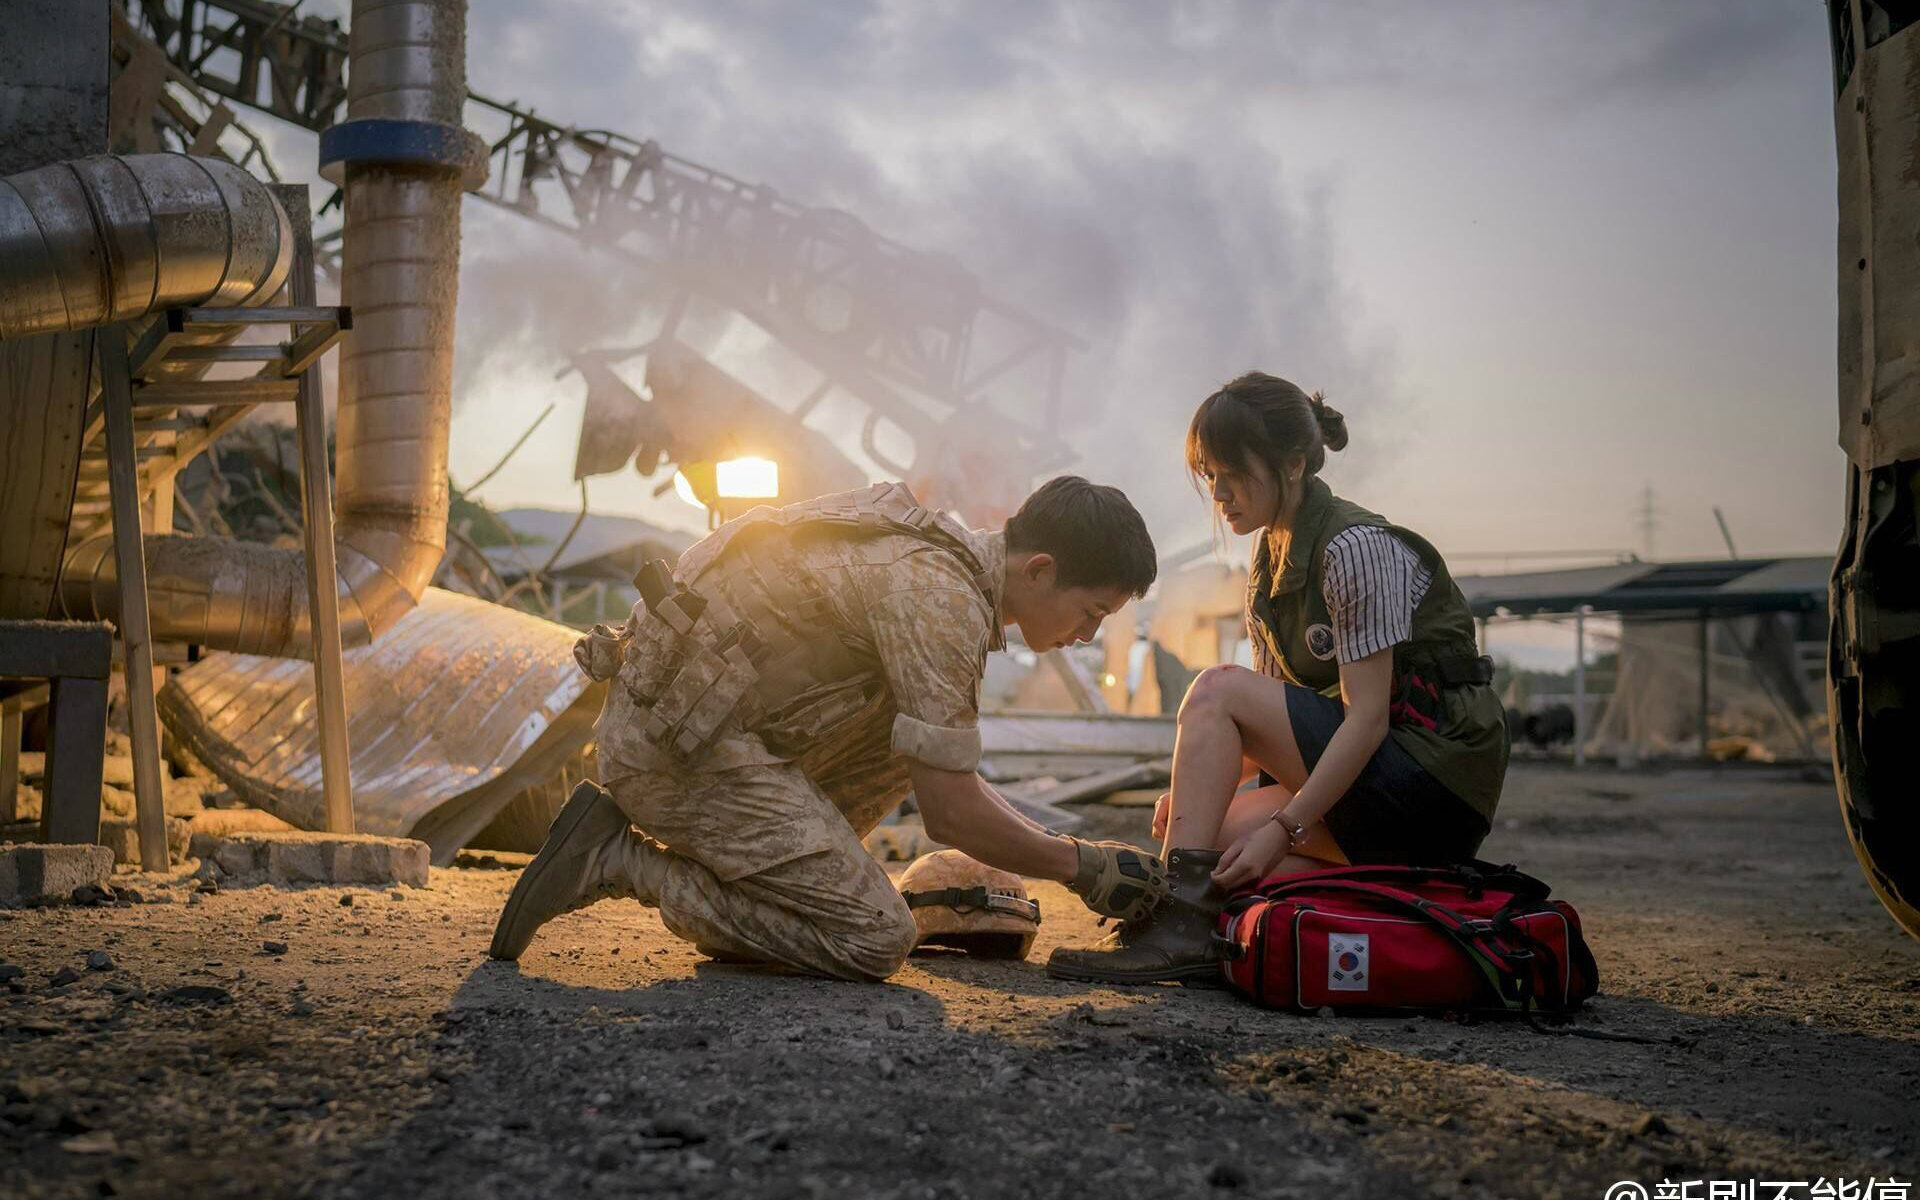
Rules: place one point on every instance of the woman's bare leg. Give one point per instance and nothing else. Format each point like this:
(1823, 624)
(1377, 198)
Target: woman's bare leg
(1229, 713)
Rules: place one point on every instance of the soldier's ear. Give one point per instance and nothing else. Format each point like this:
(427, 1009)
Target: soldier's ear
(1040, 569)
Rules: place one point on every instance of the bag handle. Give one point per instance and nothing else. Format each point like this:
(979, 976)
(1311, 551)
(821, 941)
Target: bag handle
(1475, 874)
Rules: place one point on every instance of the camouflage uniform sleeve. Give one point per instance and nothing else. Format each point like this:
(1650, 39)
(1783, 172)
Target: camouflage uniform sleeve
(931, 635)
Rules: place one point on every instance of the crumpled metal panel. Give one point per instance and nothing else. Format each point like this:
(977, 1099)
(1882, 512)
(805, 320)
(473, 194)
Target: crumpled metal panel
(458, 708)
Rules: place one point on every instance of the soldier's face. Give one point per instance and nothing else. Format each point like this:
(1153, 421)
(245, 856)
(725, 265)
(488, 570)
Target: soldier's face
(1050, 616)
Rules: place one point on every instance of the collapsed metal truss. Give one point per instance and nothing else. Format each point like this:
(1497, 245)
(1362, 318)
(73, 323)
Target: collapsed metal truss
(912, 335)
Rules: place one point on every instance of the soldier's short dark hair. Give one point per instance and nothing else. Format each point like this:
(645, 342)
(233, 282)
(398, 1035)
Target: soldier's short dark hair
(1093, 532)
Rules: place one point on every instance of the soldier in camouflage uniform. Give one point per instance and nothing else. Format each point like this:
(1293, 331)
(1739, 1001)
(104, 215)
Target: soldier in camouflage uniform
(777, 693)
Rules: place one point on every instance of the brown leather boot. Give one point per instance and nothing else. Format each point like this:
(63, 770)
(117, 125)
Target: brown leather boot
(1175, 941)
(592, 853)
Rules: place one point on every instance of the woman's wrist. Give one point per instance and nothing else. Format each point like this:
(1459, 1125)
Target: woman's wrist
(1296, 831)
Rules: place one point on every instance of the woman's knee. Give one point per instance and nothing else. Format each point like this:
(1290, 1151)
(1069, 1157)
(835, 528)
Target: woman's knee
(1210, 695)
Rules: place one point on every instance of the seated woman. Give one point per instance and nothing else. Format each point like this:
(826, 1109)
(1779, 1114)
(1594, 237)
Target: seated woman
(1370, 711)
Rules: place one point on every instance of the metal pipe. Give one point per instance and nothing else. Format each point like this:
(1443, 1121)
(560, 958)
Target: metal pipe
(113, 238)
(403, 159)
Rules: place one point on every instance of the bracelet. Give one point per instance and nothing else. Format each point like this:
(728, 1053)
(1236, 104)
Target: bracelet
(1296, 832)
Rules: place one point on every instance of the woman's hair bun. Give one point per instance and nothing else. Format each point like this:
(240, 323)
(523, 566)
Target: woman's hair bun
(1333, 425)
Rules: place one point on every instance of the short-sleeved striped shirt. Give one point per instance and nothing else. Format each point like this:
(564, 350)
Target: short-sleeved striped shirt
(1371, 581)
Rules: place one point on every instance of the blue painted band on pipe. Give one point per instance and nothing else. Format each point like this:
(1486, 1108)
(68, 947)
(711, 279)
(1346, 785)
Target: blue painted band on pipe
(398, 143)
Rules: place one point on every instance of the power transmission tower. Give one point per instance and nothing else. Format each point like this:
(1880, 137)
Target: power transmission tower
(1647, 517)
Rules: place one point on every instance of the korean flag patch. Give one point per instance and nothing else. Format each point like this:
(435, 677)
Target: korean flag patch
(1347, 966)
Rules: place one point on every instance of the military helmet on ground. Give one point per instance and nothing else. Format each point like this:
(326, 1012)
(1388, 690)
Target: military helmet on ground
(967, 905)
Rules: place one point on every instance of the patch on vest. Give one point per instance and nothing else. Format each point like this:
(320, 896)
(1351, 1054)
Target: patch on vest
(1320, 641)
(1347, 962)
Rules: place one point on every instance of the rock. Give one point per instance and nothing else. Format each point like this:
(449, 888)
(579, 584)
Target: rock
(227, 822)
(100, 1141)
(675, 1127)
(491, 860)
(1351, 1116)
(11, 971)
(346, 901)
(35, 873)
(91, 895)
(64, 976)
(98, 960)
(196, 993)
(301, 1007)
(895, 1020)
(1226, 1175)
(123, 836)
(1649, 1125)
(299, 857)
(274, 947)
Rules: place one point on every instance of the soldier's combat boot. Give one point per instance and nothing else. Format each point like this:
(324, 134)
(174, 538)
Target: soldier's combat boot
(1175, 941)
(592, 853)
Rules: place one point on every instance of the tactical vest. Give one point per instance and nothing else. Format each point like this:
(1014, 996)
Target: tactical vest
(1444, 710)
(693, 661)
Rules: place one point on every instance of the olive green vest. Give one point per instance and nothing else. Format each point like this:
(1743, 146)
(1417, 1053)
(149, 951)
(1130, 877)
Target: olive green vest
(1467, 752)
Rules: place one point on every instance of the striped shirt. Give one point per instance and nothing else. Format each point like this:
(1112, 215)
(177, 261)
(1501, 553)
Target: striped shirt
(1371, 581)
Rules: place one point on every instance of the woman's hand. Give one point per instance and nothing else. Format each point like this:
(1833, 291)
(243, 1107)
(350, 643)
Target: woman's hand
(1252, 856)
(1162, 813)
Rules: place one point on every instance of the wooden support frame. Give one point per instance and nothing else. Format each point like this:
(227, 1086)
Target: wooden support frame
(316, 504)
(130, 566)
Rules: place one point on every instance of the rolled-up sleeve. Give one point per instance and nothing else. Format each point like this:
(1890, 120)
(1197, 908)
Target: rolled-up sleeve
(932, 642)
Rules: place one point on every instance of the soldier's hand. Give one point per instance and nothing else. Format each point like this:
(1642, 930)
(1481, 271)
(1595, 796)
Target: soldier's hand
(1162, 813)
(1118, 880)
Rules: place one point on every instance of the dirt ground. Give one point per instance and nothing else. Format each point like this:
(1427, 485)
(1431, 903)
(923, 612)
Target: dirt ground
(372, 1050)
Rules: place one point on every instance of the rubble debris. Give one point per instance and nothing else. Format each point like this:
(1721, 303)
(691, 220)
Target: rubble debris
(284, 859)
(99, 960)
(36, 873)
(229, 822)
(64, 976)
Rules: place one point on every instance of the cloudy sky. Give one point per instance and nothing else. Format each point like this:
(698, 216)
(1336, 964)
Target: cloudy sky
(1543, 256)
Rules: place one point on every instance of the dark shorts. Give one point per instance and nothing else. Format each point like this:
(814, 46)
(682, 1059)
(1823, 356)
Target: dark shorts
(1395, 812)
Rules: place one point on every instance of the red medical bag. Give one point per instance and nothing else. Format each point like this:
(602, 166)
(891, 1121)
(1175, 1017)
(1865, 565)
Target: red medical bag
(1469, 937)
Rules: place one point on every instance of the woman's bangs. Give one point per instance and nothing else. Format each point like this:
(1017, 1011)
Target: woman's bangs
(1219, 436)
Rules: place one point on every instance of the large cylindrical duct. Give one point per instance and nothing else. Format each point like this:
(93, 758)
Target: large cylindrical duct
(403, 156)
(113, 238)
(404, 161)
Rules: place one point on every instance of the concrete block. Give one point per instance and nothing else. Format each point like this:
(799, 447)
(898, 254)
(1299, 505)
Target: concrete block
(299, 857)
(32, 872)
(122, 836)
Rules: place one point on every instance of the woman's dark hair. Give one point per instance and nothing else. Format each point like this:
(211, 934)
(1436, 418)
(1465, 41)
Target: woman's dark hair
(1261, 416)
(1093, 532)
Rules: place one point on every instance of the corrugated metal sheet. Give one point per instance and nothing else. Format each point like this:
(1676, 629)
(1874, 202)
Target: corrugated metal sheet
(455, 710)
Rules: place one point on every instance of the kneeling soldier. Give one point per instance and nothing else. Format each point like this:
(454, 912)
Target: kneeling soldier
(778, 692)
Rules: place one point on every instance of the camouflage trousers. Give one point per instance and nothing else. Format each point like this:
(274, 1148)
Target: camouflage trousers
(764, 866)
